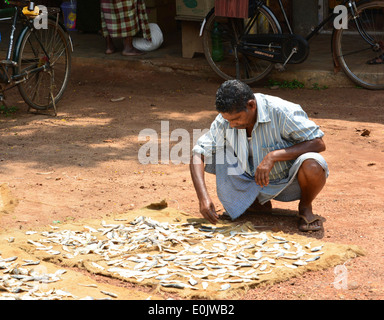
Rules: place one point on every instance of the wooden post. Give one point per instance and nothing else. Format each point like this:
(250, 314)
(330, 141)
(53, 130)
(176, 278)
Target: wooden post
(232, 8)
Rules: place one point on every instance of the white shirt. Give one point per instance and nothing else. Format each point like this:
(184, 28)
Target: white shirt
(280, 124)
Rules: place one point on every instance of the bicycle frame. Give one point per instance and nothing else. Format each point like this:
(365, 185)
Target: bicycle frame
(13, 50)
(352, 9)
(249, 41)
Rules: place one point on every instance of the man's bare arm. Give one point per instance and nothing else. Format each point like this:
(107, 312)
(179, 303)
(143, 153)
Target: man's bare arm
(290, 153)
(207, 208)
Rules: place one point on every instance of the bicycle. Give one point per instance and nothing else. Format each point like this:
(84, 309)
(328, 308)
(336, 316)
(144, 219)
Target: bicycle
(251, 46)
(39, 62)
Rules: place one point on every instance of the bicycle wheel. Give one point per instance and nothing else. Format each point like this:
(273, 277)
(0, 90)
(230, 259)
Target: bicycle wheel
(248, 69)
(353, 52)
(43, 89)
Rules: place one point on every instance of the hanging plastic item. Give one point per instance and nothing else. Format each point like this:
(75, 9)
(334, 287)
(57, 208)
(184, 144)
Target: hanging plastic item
(145, 45)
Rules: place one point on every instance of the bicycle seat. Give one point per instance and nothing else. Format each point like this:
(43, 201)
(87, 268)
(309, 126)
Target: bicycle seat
(31, 14)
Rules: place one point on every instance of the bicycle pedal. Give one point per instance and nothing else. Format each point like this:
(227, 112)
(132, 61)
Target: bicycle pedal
(279, 67)
(8, 63)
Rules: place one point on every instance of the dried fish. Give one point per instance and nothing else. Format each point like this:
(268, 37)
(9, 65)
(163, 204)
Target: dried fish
(170, 251)
(10, 259)
(31, 263)
(299, 263)
(225, 287)
(312, 259)
(316, 248)
(111, 294)
(199, 254)
(90, 229)
(278, 238)
(53, 252)
(92, 285)
(263, 267)
(177, 285)
(192, 281)
(261, 242)
(96, 265)
(258, 255)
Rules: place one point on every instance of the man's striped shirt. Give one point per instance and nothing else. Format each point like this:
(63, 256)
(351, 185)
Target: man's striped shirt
(280, 124)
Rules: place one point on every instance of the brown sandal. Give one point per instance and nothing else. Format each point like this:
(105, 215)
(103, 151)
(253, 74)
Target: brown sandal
(307, 227)
(377, 60)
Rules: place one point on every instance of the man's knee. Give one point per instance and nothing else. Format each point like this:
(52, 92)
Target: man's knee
(311, 168)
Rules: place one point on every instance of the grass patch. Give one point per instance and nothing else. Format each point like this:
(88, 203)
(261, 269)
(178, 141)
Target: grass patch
(8, 111)
(294, 84)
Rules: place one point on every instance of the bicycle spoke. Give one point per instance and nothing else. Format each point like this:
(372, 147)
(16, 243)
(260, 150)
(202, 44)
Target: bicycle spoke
(359, 46)
(354, 52)
(48, 68)
(232, 31)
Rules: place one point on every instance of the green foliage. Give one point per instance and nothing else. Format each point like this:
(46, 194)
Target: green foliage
(294, 84)
(7, 111)
(316, 86)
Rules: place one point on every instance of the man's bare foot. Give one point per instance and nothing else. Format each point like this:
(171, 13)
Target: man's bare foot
(129, 49)
(132, 52)
(109, 44)
(308, 221)
(110, 50)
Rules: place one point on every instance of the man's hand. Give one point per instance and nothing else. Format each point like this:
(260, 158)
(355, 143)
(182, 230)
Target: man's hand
(290, 153)
(263, 170)
(207, 209)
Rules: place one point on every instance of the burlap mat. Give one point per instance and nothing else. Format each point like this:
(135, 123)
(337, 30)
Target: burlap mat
(169, 250)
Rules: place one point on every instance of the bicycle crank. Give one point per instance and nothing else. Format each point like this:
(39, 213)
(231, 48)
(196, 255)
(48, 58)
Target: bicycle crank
(278, 48)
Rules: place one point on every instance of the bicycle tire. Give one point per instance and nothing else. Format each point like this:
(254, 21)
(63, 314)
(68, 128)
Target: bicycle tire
(353, 52)
(36, 89)
(251, 69)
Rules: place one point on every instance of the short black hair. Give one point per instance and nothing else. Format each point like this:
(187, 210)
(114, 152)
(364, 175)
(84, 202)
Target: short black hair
(233, 96)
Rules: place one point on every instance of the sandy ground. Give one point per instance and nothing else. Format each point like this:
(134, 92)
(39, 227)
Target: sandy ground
(84, 164)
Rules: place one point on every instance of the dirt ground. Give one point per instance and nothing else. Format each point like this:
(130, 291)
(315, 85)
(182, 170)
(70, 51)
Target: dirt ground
(84, 164)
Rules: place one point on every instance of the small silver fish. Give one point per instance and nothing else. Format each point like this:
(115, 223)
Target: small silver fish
(177, 285)
(312, 259)
(299, 263)
(263, 267)
(30, 263)
(113, 295)
(261, 242)
(316, 248)
(88, 285)
(258, 255)
(192, 281)
(279, 238)
(9, 259)
(225, 286)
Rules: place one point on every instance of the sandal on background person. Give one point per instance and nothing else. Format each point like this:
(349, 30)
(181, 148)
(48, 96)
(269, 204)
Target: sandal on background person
(377, 60)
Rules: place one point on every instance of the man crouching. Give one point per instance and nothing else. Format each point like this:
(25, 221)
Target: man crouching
(260, 147)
